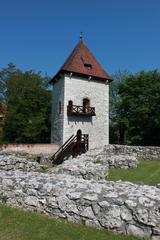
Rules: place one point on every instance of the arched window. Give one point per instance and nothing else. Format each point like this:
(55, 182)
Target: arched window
(70, 103)
(79, 135)
(86, 104)
(59, 107)
(70, 106)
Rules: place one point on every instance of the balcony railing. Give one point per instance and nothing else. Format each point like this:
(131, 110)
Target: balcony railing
(80, 110)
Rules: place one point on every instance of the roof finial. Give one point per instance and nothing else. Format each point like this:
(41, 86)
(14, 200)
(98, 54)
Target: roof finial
(81, 36)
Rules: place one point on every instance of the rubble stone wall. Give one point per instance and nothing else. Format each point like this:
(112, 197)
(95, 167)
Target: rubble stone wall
(77, 191)
(11, 162)
(119, 206)
(146, 153)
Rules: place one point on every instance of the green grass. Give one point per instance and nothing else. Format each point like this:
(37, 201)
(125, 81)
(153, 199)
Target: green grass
(43, 170)
(147, 172)
(19, 225)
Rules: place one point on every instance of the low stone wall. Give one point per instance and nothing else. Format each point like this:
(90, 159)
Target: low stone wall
(93, 165)
(121, 161)
(30, 148)
(84, 167)
(119, 206)
(146, 153)
(77, 192)
(11, 162)
(111, 158)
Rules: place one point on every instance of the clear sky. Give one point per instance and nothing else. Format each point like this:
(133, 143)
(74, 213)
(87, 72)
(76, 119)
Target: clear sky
(40, 34)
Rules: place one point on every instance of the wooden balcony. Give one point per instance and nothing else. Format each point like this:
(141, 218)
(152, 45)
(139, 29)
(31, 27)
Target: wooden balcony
(80, 111)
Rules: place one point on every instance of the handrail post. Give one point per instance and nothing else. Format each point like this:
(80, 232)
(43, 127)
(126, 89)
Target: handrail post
(74, 146)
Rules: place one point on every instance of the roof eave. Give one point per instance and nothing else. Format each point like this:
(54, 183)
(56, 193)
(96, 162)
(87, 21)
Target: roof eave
(57, 76)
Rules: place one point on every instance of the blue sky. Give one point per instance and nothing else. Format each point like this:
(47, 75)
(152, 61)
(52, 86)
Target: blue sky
(40, 34)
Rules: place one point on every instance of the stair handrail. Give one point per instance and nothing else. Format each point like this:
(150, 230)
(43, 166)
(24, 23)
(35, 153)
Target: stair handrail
(63, 150)
(63, 146)
(69, 143)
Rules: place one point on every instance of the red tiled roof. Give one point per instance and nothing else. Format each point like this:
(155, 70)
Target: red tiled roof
(82, 62)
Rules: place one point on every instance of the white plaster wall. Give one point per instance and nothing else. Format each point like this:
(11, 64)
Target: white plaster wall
(56, 118)
(96, 126)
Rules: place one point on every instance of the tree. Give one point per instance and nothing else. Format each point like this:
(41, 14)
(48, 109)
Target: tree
(28, 103)
(5, 74)
(139, 106)
(118, 122)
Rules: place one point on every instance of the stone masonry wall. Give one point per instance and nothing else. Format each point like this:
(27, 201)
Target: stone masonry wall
(76, 89)
(146, 153)
(57, 123)
(11, 162)
(95, 165)
(118, 206)
(77, 191)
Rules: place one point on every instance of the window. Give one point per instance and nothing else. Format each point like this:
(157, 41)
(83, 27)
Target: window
(79, 135)
(70, 105)
(59, 107)
(88, 65)
(86, 105)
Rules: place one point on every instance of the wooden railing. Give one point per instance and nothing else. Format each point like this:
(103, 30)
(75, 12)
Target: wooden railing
(80, 110)
(74, 146)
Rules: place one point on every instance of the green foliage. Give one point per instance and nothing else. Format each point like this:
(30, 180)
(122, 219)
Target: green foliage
(1, 137)
(99, 161)
(4, 198)
(19, 225)
(28, 104)
(118, 124)
(136, 111)
(43, 170)
(5, 74)
(147, 172)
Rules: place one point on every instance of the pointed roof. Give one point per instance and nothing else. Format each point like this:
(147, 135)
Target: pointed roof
(82, 62)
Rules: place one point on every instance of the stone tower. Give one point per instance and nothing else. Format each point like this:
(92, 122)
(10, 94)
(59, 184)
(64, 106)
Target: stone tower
(80, 99)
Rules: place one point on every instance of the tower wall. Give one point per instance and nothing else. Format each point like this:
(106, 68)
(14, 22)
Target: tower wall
(57, 118)
(76, 89)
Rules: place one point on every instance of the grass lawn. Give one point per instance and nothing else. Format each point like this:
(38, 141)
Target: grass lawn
(18, 225)
(147, 172)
